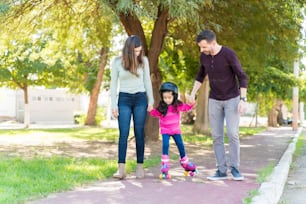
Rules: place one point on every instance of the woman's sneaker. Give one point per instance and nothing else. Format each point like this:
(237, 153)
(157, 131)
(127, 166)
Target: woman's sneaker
(236, 174)
(218, 176)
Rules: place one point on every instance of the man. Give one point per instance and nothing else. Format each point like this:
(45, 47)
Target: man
(227, 100)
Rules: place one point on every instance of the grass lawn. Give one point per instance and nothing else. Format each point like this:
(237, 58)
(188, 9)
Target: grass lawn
(23, 178)
(86, 133)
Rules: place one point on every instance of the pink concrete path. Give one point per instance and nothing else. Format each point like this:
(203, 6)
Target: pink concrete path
(256, 153)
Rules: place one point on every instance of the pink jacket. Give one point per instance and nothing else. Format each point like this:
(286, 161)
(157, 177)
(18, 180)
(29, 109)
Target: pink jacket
(170, 123)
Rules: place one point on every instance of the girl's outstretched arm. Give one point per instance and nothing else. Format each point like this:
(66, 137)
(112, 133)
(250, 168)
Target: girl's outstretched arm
(186, 107)
(155, 113)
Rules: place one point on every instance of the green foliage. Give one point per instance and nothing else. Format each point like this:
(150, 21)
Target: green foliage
(22, 66)
(101, 114)
(183, 11)
(269, 47)
(265, 36)
(177, 66)
(75, 41)
(4, 7)
(80, 117)
(302, 91)
(5, 75)
(272, 80)
(180, 9)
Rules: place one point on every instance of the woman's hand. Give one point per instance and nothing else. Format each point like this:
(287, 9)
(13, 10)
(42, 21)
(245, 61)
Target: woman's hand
(115, 112)
(150, 108)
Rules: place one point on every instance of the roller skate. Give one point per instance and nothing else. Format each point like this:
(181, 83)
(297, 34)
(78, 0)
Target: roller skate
(165, 167)
(189, 167)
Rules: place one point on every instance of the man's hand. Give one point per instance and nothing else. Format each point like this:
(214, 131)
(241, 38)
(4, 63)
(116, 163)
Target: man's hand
(242, 107)
(191, 99)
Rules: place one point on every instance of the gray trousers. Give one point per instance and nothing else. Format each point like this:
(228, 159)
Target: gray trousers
(218, 111)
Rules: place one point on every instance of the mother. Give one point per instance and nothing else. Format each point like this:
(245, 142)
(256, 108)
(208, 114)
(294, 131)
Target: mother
(135, 98)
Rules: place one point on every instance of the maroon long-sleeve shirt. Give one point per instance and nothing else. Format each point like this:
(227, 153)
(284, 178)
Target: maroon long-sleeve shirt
(224, 72)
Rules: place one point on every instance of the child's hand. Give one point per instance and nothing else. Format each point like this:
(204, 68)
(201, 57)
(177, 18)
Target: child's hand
(193, 103)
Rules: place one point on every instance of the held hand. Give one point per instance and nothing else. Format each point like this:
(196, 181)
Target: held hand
(150, 108)
(115, 113)
(242, 107)
(193, 104)
(191, 99)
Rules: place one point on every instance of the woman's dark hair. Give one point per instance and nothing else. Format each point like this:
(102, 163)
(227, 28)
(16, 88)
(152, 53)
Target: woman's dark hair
(129, 61)
(163, 107)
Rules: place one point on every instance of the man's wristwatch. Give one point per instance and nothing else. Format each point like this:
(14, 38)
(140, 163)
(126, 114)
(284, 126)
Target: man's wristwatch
(244, 99)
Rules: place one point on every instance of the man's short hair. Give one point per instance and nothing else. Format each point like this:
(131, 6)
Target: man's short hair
(207, 35)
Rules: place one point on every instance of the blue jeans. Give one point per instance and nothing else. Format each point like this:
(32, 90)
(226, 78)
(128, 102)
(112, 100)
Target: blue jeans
(218, 111)
(132, 105)
(178, 141)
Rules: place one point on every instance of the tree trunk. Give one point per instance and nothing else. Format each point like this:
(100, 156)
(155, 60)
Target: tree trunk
(256, 112)
(201, 124)
(26, 116)
(274, 113)
(92, 109)
(133, 26)
(152, 124)
(158, 36)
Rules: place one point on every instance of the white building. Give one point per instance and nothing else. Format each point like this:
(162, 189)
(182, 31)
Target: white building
(47, 106)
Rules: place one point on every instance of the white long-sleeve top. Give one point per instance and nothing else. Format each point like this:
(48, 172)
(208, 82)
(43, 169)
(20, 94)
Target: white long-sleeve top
(128, 82)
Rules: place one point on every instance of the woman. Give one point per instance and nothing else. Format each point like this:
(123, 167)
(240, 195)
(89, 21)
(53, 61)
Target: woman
(135, 99)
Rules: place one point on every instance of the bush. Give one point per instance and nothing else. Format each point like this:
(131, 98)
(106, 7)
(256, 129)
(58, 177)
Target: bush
(100, 115)
(80, 117)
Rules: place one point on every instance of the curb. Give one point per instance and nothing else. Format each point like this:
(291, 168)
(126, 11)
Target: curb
(271, 190)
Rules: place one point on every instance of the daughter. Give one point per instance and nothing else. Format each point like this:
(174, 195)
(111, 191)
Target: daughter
(168, 112)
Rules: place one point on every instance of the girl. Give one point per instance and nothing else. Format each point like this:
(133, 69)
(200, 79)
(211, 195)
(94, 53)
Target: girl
(135, 99)
(168, 112)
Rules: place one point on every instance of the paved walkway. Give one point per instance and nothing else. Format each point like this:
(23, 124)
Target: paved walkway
(257, 152)
(295, 189)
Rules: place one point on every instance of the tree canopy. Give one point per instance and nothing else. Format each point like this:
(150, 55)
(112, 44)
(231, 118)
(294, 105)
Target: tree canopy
(68, 36)
(264, 34)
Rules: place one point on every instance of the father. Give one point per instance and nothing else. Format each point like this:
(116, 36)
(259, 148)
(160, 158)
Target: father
(227, 100)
